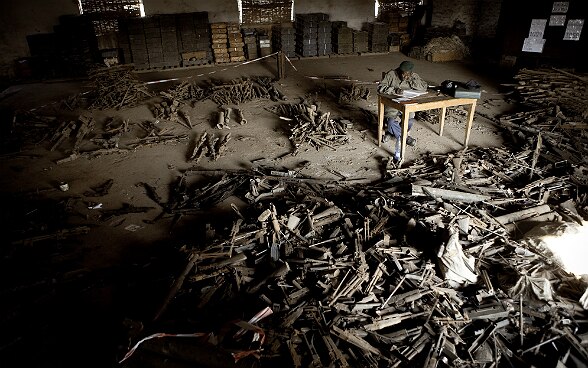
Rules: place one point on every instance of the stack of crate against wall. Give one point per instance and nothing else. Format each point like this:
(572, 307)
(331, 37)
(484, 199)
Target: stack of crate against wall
(250, 40)
(360, 41)
(169, 40)
(342, 38)
(152, 29)
(220, 46)
(284, 38)
(236, 43)
(398, 26)
(138, 43)
(378, 36)
(324, 38)
(307, 26)
(194, 32)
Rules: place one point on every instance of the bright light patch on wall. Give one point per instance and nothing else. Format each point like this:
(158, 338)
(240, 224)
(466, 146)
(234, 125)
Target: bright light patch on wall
(377, 8)
(240, 7)
(138, 4)
(292, 12)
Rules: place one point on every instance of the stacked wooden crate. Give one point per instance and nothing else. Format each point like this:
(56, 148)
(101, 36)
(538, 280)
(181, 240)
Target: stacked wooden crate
(307, 33)
(124, 43)
(284, 39)
(378, 36)
(250, 39)
(220, 42)
(324, 38)
(236, 43)
(137, 42)
(169, 41)
(360, 41)
(342, 39)
(152, 29)
(194, 38)
(398, 26)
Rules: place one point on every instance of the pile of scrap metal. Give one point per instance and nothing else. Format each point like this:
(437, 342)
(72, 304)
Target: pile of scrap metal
(553, 86)
(417, 270)
(311, 127)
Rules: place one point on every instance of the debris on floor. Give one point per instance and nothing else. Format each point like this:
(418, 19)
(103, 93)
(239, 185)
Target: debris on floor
(311, 127)
(353, 93)
(541, 87)
(116, 88)
(428, 267)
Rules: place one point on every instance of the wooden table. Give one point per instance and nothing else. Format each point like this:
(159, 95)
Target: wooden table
(425, 102)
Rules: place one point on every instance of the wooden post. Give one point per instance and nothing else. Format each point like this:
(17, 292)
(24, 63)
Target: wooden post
(281, 65)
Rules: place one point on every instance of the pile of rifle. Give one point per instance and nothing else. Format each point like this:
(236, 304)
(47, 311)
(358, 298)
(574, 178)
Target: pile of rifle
(325, 280)
(244, 89)
(311, 127)
(184, 92)
(209, 145)
(554, 86)
(116, 88)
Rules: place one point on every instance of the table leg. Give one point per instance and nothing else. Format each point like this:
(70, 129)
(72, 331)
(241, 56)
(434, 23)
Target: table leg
(405, 117)
(469, 125)
(380, 120)
(442, 120)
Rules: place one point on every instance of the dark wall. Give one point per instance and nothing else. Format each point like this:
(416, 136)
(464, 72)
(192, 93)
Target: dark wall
(514, 27)
(479, 16)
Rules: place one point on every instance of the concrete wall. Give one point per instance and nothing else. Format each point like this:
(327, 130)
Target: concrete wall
(19, 18)
(479, 16)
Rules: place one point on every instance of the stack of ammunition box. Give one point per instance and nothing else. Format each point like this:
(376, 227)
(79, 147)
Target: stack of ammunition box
(378, 37)
(220, 42)
(138, 46)
(324, 38)
(284, 39)
(152, 30)
(397, 40)
(236, 43)
(360, 41)
(124, 42)
(250, 39)
(169, 40)
(307, 26)
(342, 39)
(194, 38)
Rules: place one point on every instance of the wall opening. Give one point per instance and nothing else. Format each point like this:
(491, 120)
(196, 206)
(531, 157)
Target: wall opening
(265, 11)
(105, 13)
(405, 7)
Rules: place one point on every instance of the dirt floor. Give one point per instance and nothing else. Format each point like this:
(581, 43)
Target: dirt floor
(64, 301)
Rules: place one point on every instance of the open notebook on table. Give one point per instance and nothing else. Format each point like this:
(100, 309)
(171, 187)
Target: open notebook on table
(407, 95)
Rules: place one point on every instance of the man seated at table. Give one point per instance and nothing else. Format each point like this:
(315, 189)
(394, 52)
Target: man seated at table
(394, 82)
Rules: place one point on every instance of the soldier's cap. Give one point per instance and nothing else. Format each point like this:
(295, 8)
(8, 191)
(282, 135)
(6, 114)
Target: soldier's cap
(406, 66)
